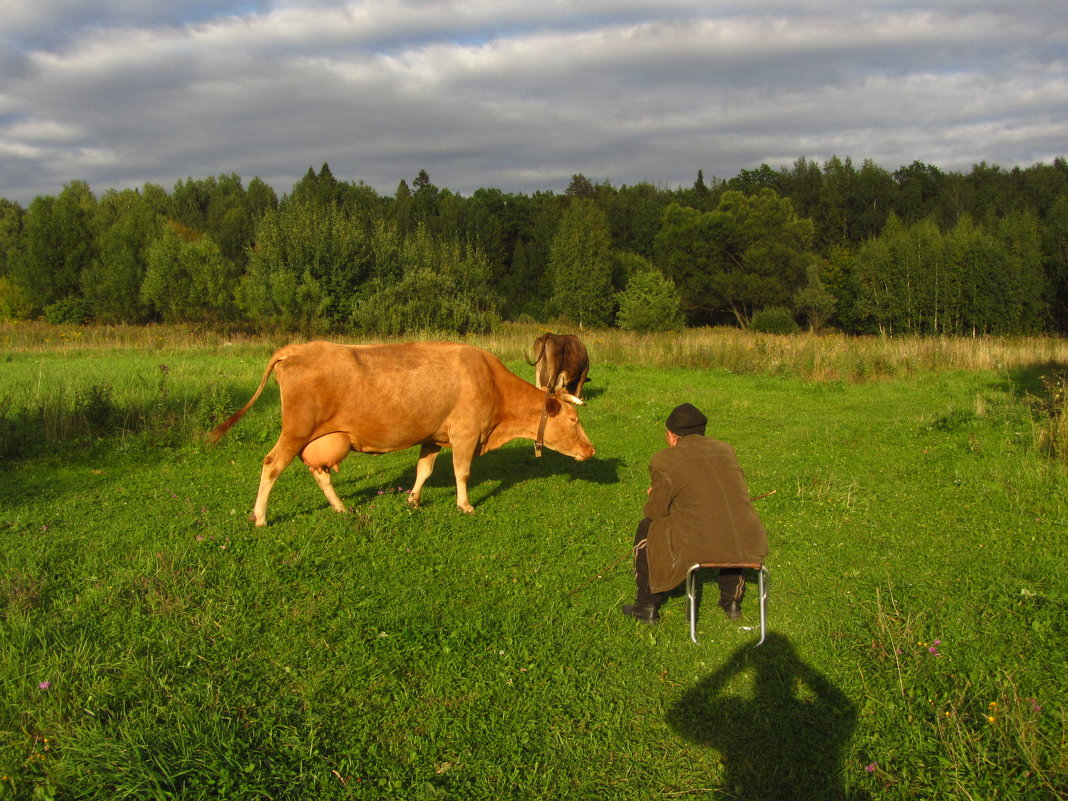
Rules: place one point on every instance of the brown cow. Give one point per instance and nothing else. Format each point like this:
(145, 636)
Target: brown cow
(382, 398)
(560, 361)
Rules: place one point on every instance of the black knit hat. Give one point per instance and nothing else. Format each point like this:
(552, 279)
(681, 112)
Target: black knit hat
(686, 419)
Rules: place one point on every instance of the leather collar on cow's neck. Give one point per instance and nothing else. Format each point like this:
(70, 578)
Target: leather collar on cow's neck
(540, 439)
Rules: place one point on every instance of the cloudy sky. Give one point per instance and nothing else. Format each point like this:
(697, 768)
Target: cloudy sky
(518, 94)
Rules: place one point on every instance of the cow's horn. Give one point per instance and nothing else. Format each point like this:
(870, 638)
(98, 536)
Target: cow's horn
(572, 399)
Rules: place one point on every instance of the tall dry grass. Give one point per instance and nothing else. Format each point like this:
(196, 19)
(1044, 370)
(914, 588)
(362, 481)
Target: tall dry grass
(833, 357)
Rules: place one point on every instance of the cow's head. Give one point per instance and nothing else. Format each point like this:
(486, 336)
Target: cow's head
(562, 429)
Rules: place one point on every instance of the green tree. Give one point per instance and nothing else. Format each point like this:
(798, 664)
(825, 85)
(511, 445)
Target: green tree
(1024, 288)
(425, 197)
(318, 248)
(1055, 248)
(650, 302)
(318, 188)
(802, 184)
(907, 284)
(126, 226)
(55, 247)
(187, 277)
(688, 250)
(919, 191)
(443, 288)
(402, 207)
(634, 216)
(580, 262)
(11, 216)
(751, 251)
(814, 300)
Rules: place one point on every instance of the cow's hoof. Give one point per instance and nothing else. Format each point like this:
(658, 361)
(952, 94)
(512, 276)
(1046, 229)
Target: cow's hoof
(259, 523)
(467, 510)
(413, 502)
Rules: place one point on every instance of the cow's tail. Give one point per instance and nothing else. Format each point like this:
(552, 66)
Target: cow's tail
(217, 433)
(540, 351)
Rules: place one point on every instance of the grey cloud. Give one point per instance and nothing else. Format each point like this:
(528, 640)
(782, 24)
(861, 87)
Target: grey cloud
(517, 96)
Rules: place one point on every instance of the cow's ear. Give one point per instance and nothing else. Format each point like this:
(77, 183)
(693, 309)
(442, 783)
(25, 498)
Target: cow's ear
(552, 406)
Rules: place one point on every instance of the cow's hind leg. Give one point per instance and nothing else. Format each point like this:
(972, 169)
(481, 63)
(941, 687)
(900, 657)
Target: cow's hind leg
(427, 454)
(274, 463)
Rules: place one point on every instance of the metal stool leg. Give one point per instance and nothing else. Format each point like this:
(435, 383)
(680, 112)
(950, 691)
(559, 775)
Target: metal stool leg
(691, 596)
(762, 586)
(762, 579)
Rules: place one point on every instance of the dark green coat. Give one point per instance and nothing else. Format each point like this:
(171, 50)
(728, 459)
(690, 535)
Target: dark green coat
(700, 510)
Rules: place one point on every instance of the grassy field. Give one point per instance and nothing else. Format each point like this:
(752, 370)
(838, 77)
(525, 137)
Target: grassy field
(153, 644)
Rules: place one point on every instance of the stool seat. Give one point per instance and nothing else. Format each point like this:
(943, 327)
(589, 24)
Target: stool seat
(762, 579)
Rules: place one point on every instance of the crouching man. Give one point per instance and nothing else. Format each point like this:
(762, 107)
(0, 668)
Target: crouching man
(698, 511)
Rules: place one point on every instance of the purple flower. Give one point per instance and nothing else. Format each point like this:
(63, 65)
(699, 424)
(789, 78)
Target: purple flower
(932, 650)
(1034, 705)
(44, 685)
(872, 767)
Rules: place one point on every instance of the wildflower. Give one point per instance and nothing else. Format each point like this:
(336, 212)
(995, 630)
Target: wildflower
(932, 650)
(44, 685)
(872, 767)
(992, 705)
(1034, 705)
(990, 718)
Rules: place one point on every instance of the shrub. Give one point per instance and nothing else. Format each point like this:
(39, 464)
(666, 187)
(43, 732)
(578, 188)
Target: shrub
(774, 320)
(71, 310)
(14, 305)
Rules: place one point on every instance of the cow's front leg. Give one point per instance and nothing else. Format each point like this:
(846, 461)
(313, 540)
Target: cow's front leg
(461, 466)
(427, 454)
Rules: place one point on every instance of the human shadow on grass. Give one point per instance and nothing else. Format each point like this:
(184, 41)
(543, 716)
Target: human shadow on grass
(781, 738)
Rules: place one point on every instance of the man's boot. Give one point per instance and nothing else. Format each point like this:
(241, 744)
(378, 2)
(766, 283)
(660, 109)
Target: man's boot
(731, 608)
(646, 613)
(731, 589)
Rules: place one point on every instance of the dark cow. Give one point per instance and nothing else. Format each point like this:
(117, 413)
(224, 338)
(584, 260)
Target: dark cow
(382, 398)
(560, 362)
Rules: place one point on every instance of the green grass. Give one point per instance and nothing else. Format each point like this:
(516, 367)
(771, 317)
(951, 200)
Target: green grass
(392, 653)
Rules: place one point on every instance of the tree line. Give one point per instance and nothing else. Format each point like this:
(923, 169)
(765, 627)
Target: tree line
(860, 249)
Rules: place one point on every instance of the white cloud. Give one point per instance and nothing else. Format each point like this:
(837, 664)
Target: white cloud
(515, 95)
